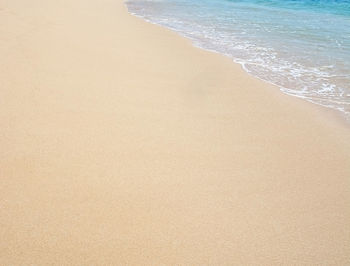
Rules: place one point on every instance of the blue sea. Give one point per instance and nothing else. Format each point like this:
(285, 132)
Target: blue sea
(303, 46)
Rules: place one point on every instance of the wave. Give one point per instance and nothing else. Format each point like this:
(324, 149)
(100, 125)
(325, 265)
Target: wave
(306, 57)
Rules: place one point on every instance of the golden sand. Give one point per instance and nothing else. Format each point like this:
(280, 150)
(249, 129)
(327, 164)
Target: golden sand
(121, 144)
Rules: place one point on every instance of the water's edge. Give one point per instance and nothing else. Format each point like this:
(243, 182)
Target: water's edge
(340, 113)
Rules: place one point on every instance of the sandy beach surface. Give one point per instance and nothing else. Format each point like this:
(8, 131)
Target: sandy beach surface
(122, 144)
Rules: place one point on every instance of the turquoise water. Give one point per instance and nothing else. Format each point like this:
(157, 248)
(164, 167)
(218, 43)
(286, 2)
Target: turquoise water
(303, 46)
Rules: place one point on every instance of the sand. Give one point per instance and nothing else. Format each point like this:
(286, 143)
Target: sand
(122, 144)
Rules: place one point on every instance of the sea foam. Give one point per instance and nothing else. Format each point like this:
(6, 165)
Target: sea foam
(302, 46)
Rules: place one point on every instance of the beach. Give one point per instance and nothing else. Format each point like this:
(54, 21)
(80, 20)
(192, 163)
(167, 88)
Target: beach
(123, 144)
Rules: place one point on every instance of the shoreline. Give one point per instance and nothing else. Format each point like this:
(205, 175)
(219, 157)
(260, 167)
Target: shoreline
(331, 113)
(341, 113)
(125, 144)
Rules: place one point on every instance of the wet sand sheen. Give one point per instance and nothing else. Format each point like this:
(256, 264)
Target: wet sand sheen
(123, 144)
(300, 46)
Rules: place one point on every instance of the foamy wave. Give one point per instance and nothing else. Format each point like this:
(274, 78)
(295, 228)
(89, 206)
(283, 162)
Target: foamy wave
(324, 84)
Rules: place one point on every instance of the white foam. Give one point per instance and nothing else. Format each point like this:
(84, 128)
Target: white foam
(314, 84)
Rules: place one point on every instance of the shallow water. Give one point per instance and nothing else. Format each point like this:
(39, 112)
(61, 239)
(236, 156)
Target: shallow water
(303, 46)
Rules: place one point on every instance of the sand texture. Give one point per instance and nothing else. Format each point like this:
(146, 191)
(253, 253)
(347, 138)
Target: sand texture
(122, 144)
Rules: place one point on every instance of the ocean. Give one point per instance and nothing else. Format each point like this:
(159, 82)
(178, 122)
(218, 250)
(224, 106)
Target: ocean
(302, 46)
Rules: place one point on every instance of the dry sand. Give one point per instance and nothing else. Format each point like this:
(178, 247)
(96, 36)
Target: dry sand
(121, 144)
